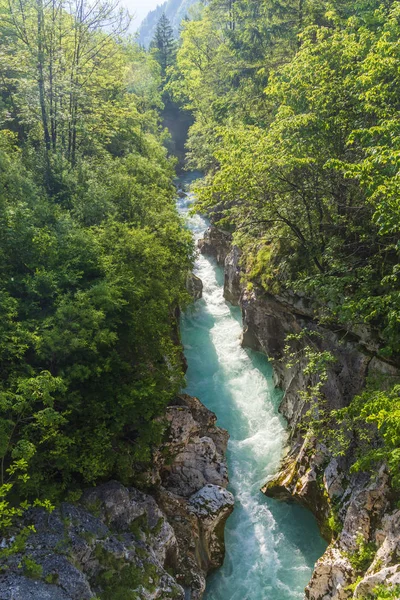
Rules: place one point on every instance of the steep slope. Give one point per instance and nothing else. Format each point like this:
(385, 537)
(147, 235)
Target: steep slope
(175, 10)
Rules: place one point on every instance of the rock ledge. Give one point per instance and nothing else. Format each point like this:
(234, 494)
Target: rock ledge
(119, 543)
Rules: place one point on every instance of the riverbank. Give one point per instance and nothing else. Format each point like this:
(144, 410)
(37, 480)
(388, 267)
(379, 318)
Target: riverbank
(356, 511)
(119, 543)
(271, 548)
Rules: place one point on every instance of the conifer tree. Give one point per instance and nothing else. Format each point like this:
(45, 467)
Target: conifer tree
(164, 44)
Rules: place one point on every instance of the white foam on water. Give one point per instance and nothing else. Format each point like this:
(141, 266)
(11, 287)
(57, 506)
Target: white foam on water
(271, 547)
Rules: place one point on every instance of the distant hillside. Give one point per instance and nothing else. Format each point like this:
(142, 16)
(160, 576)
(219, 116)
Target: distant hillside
(176, 11)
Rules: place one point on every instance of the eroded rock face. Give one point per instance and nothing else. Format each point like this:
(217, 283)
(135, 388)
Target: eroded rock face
(267, 320)
(194, 286)
(298, 479)
(119, 543)
(195, 469)
(362, 510)
(390, 577)
(22, 588)
(211, 505)
(116, 542)
(216, 243)
(358, 503)
(353, 510)
(232, 284)
(309, 473)
(332, 575)
(385, 568)
(198, 448)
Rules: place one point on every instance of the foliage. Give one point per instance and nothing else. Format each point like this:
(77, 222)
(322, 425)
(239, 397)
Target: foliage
(362, 558)
(16, 545)
(31, 568)
(296, 124)
(334, 524)
(93, 257)
(303, 350)
(375, 410)
(301, 147)
(164, 44)
(384, 593)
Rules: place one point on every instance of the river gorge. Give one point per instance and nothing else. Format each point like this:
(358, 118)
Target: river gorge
(271, 547)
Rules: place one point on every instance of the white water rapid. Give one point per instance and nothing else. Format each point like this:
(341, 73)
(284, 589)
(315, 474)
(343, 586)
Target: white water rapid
(271, 547)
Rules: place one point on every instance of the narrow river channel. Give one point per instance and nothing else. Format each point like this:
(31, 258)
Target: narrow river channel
(271, 547)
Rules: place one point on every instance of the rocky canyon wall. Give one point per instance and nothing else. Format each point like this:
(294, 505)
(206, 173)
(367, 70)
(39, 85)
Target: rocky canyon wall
(356, 511)
(118, 543)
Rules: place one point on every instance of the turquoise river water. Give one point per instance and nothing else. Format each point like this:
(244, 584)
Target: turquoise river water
(271, 547)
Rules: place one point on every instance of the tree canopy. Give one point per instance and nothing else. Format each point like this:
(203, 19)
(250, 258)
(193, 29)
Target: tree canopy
(296, 125)
(93, 257)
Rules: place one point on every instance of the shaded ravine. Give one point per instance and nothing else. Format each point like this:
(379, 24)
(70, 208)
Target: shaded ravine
(271, 547)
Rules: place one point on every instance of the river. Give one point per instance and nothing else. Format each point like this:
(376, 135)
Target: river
(271, 547)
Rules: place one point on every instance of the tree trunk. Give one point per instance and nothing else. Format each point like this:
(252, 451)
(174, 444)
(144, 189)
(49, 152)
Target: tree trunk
(41, 80)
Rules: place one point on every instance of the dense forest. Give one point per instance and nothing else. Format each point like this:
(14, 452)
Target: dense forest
(296, 126)
(93, 258)
(293, 107)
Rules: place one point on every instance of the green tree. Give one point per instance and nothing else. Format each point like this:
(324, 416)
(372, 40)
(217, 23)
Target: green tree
(57, 66)
(289, 167)
(93, 256)
(296, 126)
(164, 45)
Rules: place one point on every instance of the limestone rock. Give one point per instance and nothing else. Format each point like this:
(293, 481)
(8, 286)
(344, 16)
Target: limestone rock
(195, 451)
(385, 568)
(190, 568)
(390, 576)
(121, 507)
(266, 323)
(334, 479)
(216, 243)
(119, 539)
(79, 555)
(387, 539)
(197, 464)
(210, 501)
(232, 284)
(298, 479)
(14, 587)
(194, 286)
(367, 504)
(196, 448)
(212, 505)
(331, 578)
